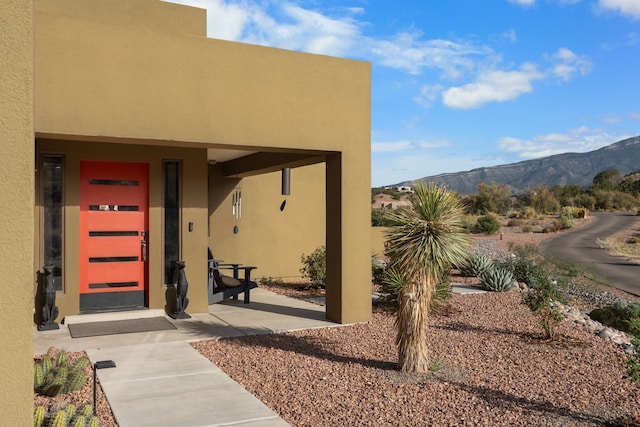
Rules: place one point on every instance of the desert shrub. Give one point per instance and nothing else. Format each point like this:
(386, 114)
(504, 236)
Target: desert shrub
(469, 223)
(524, 265)
(55, 374)
(314, 267)
(527, 228)
(379, 218)
(476, 266)
(553, 226)
(542, 301)
(515, 222)
(621, 315)
(497, 280)
(487, 224)
(566, 218)
(378, 267)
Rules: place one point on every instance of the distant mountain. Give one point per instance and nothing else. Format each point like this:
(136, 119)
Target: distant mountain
(560, 169)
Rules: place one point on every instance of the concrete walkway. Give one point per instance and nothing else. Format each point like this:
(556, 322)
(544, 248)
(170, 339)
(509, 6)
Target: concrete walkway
(159, 379)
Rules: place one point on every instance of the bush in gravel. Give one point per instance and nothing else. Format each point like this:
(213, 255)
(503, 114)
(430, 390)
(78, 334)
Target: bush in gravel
(542, 300)
(487, 224)
(524, 264)
(621, 315)
(314, 267)
(497, 280)
(476, 266)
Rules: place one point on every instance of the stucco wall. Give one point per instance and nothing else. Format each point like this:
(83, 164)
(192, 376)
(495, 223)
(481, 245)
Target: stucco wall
(269, 238)
(16, 211)
(110, 80)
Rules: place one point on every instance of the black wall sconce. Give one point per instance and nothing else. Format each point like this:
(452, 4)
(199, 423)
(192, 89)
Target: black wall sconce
(286, 181)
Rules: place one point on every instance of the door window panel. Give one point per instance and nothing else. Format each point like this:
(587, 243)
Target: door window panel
(53, 198)
(171, 218)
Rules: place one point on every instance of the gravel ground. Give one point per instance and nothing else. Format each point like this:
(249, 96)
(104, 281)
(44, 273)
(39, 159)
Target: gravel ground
(489, 368)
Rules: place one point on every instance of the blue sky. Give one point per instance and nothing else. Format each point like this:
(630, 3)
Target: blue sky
(461, 84)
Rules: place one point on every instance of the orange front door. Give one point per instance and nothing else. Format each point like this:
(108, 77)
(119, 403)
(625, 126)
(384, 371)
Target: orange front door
(114, 199)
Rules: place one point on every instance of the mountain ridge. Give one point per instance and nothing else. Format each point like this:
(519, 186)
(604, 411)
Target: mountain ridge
(558, 169)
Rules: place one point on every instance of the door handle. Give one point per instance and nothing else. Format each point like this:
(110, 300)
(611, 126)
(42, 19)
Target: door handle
(143, 243)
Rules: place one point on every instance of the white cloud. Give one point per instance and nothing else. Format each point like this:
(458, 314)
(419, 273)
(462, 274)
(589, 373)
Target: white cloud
(630, 8)
(492, 86)
(567, 64)
(408, 52)
(525, 3)
(386, 147)
(578, 140)
(428, 95)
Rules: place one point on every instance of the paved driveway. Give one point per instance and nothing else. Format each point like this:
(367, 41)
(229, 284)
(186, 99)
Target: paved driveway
(581, 247)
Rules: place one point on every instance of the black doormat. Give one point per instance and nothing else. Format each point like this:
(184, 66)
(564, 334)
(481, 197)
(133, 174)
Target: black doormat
(93, 329)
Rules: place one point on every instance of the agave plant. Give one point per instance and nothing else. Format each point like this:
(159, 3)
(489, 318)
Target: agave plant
(497, 280)
(476, 266)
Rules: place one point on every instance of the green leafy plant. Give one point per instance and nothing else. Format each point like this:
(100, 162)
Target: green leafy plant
(68, 416)
(525, 265)
(314, 267)
(542, 300)
(497, 280)
(487, 224)
(55, 374)
(621, 315)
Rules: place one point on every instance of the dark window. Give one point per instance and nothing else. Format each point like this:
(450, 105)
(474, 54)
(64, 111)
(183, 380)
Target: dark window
(53, 197)
(171, 218)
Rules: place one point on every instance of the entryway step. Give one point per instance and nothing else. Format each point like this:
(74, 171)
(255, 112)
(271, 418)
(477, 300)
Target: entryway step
(118, 315)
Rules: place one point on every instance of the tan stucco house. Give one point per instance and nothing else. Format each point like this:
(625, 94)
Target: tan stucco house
(131, 139)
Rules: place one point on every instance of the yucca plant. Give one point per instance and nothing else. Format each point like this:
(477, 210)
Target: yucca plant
(497, 280)
(425, 240)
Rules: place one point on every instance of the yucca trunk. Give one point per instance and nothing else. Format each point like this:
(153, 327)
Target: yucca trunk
(411, 324)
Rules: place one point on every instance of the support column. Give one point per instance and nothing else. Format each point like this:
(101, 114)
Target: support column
(17, 212)
(348, 240)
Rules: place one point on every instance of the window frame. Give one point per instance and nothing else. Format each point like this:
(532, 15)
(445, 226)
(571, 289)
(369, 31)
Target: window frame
(167, 272)
(42, 239)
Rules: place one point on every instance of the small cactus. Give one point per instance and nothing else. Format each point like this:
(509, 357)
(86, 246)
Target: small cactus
(52, 376)
(93, 422)
(59, 419)
(86, 410)
(38, 416)
(497, 280)
(70, 409)
(62, 358)
(79, 421)
(47, 364)
(38, 376)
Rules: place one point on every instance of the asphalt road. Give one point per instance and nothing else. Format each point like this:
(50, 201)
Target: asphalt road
(581, 247)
